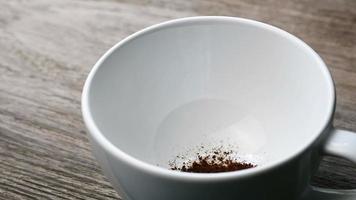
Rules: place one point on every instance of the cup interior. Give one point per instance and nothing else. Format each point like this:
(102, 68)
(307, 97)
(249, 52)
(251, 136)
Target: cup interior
(212, 82)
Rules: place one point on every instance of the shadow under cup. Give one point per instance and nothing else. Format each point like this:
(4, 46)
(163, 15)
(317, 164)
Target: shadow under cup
(204, 82)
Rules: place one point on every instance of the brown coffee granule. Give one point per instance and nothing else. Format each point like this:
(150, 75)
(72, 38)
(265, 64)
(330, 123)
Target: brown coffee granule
(204, 166)
(215, 162)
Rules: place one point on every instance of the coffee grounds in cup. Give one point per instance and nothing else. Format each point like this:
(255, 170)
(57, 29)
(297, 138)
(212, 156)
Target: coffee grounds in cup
(215, 162)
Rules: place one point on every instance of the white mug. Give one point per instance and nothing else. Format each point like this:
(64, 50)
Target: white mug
(187, 81)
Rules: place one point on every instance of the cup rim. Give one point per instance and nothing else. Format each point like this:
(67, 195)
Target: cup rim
(110, 148)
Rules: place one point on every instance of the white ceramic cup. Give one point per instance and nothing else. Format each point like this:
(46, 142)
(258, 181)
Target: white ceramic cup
(188, 81)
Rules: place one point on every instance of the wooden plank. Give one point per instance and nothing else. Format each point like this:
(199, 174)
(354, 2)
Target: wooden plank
(48, 48)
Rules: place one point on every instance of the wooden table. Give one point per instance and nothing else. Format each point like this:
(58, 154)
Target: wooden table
(48, 47)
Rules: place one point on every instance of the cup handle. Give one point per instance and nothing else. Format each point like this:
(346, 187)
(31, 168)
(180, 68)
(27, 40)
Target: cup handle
(341, 143)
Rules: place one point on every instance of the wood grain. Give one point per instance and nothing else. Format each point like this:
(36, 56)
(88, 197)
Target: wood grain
(48, 47)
